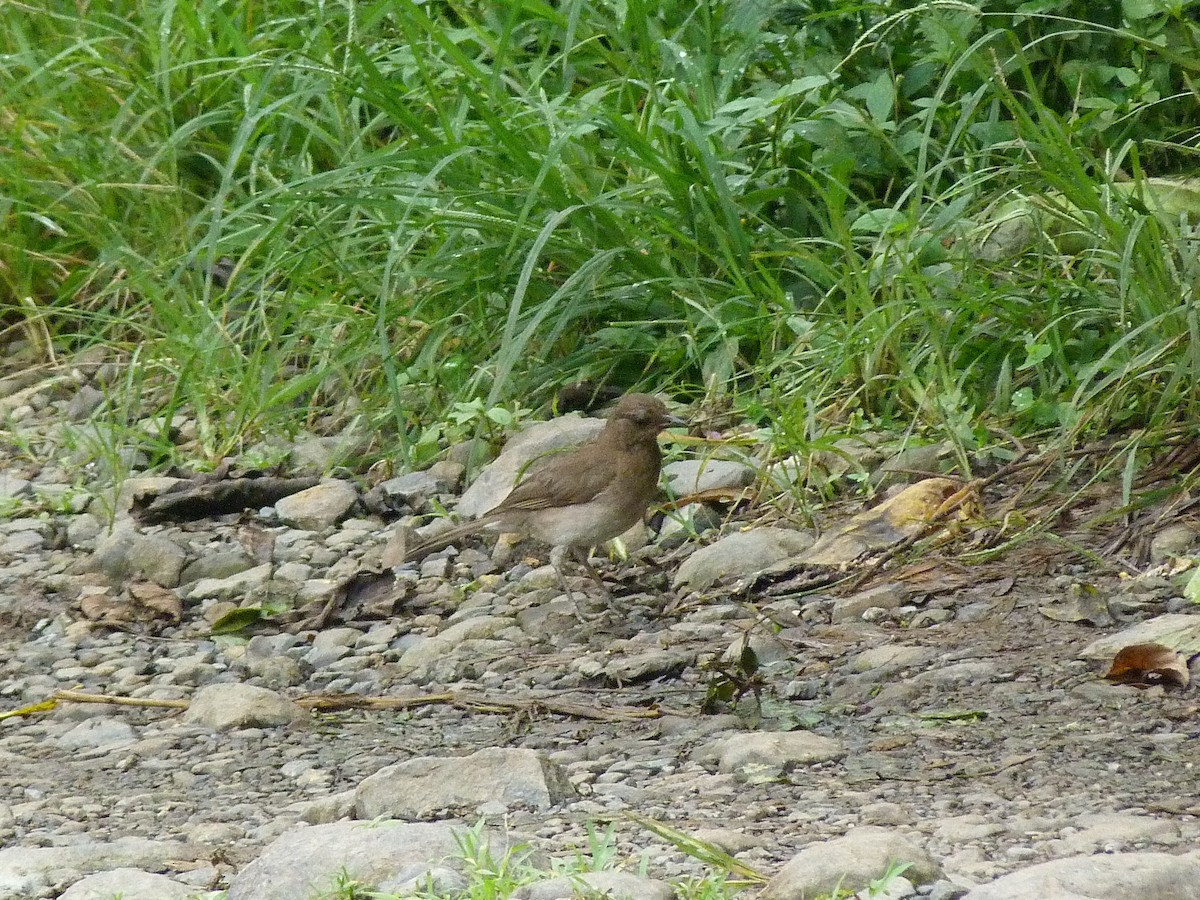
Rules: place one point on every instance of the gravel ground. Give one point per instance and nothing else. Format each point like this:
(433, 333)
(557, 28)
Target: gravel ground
(946, 707)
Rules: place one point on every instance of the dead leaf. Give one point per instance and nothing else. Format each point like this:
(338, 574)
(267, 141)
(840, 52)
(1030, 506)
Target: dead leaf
(1148, 665)
(143, 601)
(157, 599)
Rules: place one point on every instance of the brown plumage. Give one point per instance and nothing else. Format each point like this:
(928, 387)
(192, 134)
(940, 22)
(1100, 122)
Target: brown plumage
(586, 496)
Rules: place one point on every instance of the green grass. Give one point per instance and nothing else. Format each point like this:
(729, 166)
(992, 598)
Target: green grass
(942, 216)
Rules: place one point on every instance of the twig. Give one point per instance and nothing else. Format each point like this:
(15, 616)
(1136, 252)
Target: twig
(480, 703)
(81, 697)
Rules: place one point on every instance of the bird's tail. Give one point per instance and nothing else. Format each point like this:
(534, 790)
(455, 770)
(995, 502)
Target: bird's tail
(402, 549)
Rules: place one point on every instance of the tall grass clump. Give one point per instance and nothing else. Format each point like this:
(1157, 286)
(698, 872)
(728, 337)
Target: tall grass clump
(285, 215)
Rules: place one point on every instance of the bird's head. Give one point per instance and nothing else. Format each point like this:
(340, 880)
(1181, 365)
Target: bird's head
(646, 414)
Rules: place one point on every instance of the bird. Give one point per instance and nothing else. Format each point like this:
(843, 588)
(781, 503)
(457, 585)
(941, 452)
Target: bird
(583, 497)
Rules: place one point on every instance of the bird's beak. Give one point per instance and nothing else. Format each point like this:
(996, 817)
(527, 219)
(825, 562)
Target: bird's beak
(674, 422)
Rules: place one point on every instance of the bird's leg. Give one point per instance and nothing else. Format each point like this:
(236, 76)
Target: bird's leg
(557, 554)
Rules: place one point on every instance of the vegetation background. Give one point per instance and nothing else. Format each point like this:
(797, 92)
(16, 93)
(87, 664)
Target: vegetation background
(410, 218)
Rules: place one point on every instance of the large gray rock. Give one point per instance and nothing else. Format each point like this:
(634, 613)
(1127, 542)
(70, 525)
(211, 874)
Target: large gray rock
(1114, 876)
(851, 863)
(739, 554)
(320, 506)
(417, 788)
(127, 884)
(614, 885)
(231, 705)
(33, 872)
(306, 860)
(499, 477)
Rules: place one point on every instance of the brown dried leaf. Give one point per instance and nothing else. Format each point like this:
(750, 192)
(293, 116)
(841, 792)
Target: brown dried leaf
(1147, 665)
(156, 600)
(107, 609)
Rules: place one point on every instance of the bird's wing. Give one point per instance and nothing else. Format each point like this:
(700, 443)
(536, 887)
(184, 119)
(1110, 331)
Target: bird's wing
(567, 479)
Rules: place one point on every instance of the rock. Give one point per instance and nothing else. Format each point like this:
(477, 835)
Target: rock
(319, 507)
(127, 884)
(28, 872)
(739, 554)
(410, 490)
(690, 476)
(1176, 630)
(768, 754)
(889, 658)
(1173, 541)
(306, 860)
(98, 731)
(884, 596)
(1115, 876)
(1120, 831)
(499, 477)
(231, 705)
(419, 787)
(607, 884)
(435, 648)
(22, 542)
(13, 488)
(234, 587)
(312, 455)
(327, 809)
(639, 667)
(851, 863)
(126, 553)
(218, 565)
(83, 529)
(134, 488)
(85, 402)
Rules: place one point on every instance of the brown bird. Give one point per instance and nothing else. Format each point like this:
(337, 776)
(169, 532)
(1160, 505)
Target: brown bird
(584, 497)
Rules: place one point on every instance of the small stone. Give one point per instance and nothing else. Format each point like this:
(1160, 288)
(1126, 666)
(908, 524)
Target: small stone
(764, 755)
(639, 667)
(235, 587)
(12, 487)
(82, 530)
(418, 787)
(126, 553)
(884, 596)
(319, 507)
(1173, 541)
(691, 476)
(98, 731)
(850, 863)
(85, 402)
(231, 705)
(739, 554)
(220, 564)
